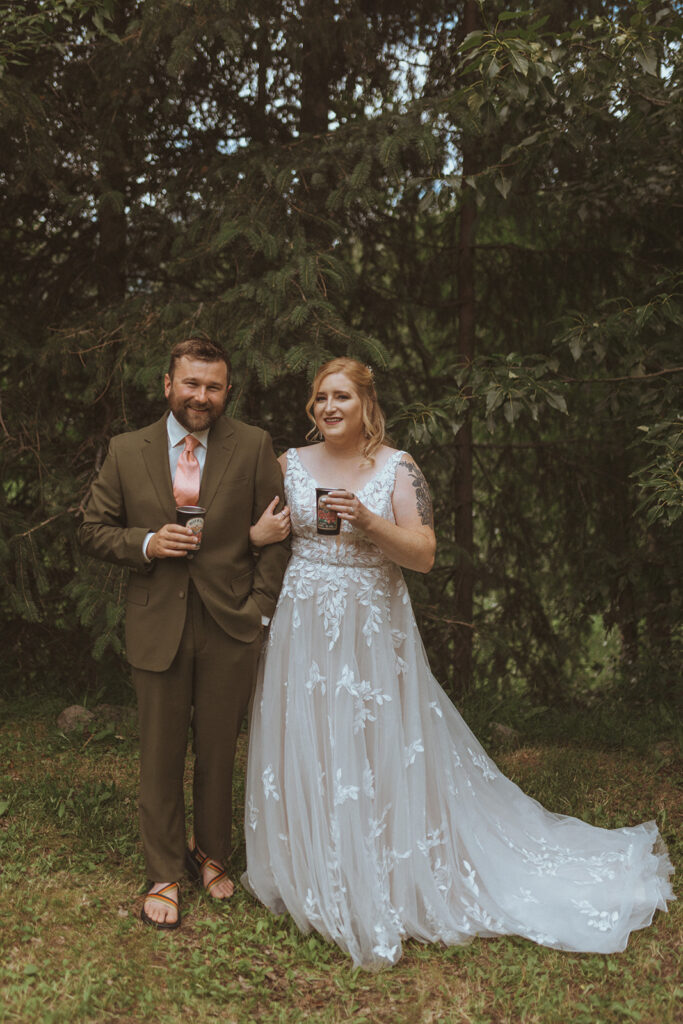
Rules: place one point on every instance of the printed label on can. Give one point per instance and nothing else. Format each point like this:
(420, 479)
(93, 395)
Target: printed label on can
(327, 519)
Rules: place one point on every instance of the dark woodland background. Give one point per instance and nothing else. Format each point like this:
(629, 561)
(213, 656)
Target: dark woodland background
(484, 204)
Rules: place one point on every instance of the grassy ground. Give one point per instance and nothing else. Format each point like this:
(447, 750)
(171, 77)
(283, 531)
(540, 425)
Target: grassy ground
(72, 947)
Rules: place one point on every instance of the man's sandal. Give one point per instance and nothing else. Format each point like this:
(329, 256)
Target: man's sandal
(195, 862)
(163, 897)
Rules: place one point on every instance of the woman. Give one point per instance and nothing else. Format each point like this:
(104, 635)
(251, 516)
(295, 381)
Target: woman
(372, 813)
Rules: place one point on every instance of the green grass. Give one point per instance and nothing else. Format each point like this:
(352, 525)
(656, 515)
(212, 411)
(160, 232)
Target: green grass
(72, 947)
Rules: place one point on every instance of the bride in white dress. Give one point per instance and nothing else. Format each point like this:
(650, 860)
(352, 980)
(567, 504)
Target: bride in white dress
(372, 812)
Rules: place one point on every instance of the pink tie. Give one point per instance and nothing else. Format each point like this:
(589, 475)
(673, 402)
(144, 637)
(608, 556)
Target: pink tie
(187, 476)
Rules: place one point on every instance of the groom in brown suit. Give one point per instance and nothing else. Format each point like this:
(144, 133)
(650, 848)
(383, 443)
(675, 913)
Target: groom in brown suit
(194, 615)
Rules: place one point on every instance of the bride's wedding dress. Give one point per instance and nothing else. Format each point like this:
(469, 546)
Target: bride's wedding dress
(372, 812)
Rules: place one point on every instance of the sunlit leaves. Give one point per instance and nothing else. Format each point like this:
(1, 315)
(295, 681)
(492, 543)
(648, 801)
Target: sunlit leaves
(661, 477)
(25, 31)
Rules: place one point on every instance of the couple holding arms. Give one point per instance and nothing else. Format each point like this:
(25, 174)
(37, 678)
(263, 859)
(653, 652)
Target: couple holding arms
(372, 812)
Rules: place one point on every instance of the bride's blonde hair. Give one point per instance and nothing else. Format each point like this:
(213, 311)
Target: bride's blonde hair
(360, 376)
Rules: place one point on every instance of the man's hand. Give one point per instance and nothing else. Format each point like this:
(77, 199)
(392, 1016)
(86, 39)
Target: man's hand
(172, 541)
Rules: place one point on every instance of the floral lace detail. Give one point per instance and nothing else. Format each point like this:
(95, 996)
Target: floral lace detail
(316, 680)
(484, 764)
(323, 568)
(252, 814)
(603, 920)
(350, 547)
(363, 693)
(269, 789)
(545, 858)
(372, 811)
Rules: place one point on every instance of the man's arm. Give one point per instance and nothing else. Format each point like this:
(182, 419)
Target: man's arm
(272, 561)
(104, 532)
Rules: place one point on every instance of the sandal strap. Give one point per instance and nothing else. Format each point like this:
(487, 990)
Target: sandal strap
(161, 896)
(199, 858)
(214, 865)
(216, 878)
(204, 861)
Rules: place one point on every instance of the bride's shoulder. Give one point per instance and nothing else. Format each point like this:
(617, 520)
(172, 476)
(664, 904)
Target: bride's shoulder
(386, 452)
(282, 459)
(396, 458)
(408, 470)
(289, 453)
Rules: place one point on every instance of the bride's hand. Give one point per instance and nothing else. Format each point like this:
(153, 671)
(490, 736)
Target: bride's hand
(271, 527)
(349, 508)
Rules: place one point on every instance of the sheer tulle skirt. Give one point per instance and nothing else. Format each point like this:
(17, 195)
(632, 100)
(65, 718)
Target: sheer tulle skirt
(373, 814)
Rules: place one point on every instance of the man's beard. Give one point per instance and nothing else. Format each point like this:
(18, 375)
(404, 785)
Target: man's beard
(195, 419)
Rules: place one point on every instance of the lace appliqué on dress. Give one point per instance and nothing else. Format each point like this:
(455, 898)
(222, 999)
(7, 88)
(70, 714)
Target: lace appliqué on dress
(372, 812)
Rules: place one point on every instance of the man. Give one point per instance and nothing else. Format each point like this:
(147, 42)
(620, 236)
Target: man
(194, 613)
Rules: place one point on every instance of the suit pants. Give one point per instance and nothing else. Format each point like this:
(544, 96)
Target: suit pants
(208, 685)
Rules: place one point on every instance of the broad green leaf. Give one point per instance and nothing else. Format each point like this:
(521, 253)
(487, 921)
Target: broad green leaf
(576, 344)
(475, 101)
(511, 410)
(493, 68)
(494, 398)
(503, 185)
(519, 63)
(471, 40)
(556, 401)
(647, 58)
(103, 734)
(509, 15)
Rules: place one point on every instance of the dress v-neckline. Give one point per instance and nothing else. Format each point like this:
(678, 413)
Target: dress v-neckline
(365, 485)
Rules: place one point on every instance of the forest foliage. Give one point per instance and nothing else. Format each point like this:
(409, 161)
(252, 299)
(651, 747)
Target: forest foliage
(483, 203)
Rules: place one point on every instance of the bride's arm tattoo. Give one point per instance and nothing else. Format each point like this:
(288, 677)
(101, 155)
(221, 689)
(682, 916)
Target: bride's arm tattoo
(423, 498)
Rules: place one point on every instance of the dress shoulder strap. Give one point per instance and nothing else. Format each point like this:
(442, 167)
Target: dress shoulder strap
(395, 459)
(387, 474)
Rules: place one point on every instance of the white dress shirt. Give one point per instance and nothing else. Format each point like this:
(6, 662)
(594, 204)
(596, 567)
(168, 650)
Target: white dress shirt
(176, 442)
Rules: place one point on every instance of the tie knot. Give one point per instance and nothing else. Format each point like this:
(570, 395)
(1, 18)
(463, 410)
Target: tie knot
(191, 443)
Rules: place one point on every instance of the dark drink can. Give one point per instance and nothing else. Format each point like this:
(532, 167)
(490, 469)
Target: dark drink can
(192, 516)
(326, 520)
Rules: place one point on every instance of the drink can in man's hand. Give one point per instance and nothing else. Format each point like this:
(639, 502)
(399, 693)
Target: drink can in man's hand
(192, 516)
(326, 520)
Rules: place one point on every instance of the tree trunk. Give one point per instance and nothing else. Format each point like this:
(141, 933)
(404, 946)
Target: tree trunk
(314, 68)
(113, 183)
(463, 485)
(111, 254)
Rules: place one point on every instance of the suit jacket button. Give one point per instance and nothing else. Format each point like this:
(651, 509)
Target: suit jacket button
(181, 593)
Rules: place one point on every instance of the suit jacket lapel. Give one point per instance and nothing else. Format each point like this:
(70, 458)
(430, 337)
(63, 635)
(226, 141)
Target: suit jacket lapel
(155, 454)
(219, 451)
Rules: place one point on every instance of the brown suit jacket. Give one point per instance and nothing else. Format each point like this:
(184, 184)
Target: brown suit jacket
(133, 495)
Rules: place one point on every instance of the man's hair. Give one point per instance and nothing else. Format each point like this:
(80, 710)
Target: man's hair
(198, 348)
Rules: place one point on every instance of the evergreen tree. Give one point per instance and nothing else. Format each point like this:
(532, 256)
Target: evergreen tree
(480, 202)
